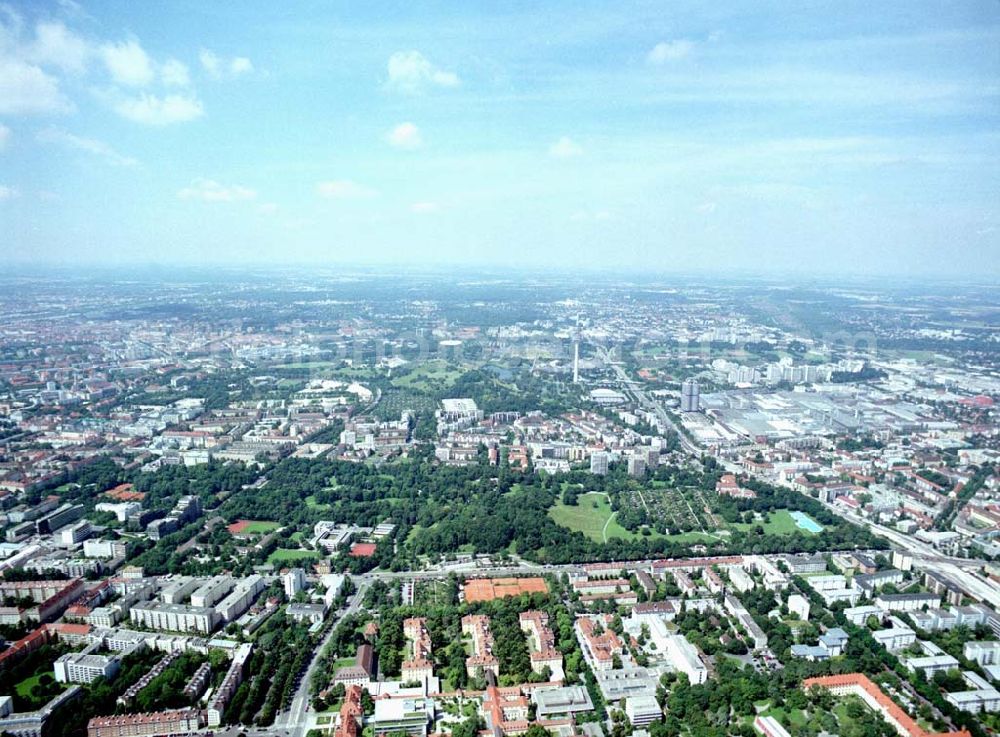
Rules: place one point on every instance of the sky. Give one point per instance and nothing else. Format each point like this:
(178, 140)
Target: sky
(789, 137)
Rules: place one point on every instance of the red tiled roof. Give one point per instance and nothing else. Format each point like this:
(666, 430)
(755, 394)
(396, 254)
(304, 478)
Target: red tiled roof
(889, 707)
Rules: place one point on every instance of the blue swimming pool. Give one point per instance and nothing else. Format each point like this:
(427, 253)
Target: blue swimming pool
(806, 522)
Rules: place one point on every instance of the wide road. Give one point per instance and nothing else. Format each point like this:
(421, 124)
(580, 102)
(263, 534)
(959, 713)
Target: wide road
(646, 402)
(295, 720)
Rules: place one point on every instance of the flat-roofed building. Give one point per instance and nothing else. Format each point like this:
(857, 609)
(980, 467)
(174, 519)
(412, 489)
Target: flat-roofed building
(85, 667)
(212, 590)
(906, 602)
(174, 617)
(408, 715)
(983, 653)
(561, 702)
(642, 710)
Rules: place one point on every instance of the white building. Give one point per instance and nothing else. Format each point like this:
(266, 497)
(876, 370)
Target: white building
(799, 606)
(174, 617)
(859, 614)
(176, 590)
(75, 533)
(980, 697)
(294, 581)
(105, 548)
(684, 658)
(642, 710)
(211, 591)
(84, 667)
(983, 653)
(311, 613)
(895, 638)
(241, 598)
(740, 579)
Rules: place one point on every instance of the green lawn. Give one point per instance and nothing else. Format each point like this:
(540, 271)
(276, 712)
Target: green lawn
(24, 687)
(794, 717)
(428, 376)
(590, 517)
(313, 504)
(261, 527)
(286, 555)
(778, 523)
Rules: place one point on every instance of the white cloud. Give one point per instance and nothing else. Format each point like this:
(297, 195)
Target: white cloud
(267, 208)
(707, 208)
(4, 136)
(153, 110)
(208, 190)
(25, 89)
(565, 148)
(405, 135)
(210, 63)
(174, 73)
(218, 67)
(58, 46)
(670, 51)
(410, 72)
(342, 189)
(128, 63)
(424, 208)
(7, 193)
(240, 65)
(591, 216)
(89, 145)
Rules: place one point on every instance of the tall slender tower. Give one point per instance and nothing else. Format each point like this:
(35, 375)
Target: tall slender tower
(576, 361)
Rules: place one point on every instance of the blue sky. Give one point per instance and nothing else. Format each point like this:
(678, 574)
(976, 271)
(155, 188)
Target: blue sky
(831, 137)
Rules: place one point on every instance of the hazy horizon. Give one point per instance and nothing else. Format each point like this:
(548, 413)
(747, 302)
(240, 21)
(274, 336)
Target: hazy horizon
(755, 139)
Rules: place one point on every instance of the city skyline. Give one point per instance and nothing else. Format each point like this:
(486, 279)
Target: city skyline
(836, 139)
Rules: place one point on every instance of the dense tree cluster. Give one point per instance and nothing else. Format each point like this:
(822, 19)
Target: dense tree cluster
(441, 510)
(282, 651)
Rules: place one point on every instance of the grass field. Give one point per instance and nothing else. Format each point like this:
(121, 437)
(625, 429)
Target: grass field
(313, 504)
(262, 527)
(24, 687)
(779, 523)
(253, 527)
(795, 717)
(429, 376)
(286, 555)
(590, 517)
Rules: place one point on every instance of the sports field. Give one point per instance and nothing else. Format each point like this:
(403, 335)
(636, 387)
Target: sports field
(287, 555)
(252, 527)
